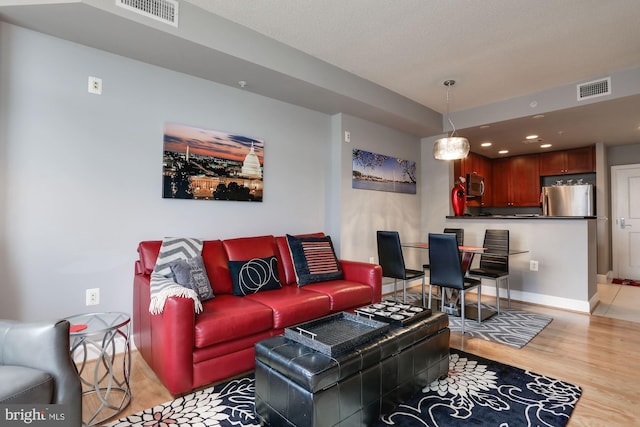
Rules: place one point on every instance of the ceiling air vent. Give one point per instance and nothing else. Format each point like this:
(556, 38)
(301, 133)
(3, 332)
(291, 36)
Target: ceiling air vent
(594, 89)
(162, 10)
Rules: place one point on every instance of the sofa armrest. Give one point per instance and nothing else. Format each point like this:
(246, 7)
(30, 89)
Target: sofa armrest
(173, 344)
(165, 340)
(44, 346)
(365, 273)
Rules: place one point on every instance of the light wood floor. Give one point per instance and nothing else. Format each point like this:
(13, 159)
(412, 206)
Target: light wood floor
(600, 354)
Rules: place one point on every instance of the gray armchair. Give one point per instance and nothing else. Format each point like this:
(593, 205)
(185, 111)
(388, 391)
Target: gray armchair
(36, 367)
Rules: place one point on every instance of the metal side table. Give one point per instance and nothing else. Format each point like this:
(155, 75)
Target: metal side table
(98, 342)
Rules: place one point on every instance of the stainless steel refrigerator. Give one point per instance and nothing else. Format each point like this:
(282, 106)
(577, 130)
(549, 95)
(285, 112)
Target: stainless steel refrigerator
(568, 200)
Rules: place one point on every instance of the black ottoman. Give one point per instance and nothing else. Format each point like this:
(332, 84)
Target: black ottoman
(298, 386)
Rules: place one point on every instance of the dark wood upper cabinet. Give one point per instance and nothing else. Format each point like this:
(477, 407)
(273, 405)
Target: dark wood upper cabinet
(578, 160)
(516, 181)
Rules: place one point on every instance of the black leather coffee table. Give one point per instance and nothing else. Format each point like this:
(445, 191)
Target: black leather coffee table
(299, 386)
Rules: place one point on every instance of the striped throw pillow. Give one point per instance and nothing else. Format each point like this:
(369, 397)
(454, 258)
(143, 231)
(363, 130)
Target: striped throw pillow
(314, 259)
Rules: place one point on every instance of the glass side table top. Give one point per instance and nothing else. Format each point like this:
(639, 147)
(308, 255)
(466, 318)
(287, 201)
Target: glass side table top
(98, 323)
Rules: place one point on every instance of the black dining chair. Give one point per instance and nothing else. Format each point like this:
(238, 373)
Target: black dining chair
(494, 262)
(447, 271)
(459, 232)
(391, 260)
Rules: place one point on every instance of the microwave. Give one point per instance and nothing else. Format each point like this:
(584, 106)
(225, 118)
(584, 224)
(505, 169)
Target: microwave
(475, 185)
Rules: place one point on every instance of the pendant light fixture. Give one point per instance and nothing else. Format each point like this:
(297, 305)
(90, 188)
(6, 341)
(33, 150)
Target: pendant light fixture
(450, 147)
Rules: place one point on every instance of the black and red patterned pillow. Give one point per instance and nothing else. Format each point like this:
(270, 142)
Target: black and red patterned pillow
(314, 259)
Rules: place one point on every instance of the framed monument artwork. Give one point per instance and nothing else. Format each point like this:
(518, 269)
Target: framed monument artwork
(203, 164)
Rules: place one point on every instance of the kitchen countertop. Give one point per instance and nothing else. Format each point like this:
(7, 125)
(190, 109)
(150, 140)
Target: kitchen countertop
(519, 216)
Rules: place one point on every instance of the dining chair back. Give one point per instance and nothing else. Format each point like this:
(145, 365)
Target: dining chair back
(391, 260)
(447, 272)
(459, 232)
(494, 262)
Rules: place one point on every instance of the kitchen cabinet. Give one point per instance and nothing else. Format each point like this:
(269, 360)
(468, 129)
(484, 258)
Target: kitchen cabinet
(516, 181)
(578, 160)
(478, 165)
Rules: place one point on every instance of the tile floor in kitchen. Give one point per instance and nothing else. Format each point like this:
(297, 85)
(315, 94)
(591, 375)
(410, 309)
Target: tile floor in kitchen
(618, 301)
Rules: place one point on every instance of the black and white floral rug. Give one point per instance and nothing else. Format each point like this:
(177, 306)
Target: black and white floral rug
(477, 391)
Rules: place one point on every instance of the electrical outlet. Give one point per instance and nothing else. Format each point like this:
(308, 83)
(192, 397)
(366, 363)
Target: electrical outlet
(347, 136)
(371, 260)
(95, 85)
(92, 296)
(533, 265)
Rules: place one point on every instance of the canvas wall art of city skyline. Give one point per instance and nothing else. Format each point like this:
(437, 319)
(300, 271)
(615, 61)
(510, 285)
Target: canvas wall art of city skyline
(211, 165)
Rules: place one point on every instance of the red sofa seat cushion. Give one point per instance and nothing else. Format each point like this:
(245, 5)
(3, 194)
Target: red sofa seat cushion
(293, 305)
(228, 318)
(343, 294)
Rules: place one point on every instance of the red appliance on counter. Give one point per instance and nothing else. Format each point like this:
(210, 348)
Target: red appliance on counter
(458, 197)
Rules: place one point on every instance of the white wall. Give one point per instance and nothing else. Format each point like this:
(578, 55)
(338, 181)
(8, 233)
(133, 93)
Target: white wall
(81, 174)
(81, 184)
(363, 212)
(436, 191)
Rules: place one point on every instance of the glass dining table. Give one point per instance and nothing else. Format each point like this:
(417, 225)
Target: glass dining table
(452, 299)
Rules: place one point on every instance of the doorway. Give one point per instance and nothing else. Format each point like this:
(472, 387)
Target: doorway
(625, 226)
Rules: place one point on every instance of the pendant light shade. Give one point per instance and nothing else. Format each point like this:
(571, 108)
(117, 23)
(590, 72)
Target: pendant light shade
(450, 147)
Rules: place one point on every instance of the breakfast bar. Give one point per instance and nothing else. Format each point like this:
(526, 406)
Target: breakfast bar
(565, 248)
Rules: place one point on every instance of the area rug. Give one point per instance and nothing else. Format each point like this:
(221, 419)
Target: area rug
(477, 391)
(628, 282)
(514, 328)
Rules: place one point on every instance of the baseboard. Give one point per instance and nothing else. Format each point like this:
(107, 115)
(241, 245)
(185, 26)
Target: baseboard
(516, 295)
(605, 278)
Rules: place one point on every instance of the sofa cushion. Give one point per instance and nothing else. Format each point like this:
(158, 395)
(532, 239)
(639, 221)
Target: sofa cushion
(227, 318)
(216, 263)
(291, 305)
(148, 252)
(314, 259)
(343, 294)
(245, 248)
(191, 274)
(25, 385)
(254, 275)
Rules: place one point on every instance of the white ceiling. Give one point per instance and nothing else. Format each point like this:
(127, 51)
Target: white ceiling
(386, 60)
(494, 49)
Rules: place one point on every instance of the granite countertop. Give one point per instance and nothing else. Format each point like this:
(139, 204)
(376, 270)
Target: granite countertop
(519, 216)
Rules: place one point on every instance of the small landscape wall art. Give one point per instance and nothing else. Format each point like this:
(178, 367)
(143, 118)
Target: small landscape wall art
(211, 165)
(373, 171)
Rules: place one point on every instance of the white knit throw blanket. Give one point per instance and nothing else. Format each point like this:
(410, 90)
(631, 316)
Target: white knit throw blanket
(162, 282)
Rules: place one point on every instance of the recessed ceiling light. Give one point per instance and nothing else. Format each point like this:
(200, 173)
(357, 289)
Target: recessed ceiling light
(532, 136)
(503, 151)
(485, 144)
(538, 116)
(545, 146)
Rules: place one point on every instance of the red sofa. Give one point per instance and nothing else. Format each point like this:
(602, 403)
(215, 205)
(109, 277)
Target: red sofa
(188, 350)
